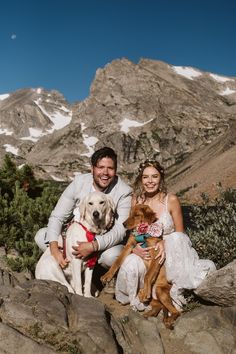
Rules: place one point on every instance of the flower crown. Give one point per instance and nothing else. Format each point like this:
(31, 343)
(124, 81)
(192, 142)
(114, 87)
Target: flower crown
(153, 163)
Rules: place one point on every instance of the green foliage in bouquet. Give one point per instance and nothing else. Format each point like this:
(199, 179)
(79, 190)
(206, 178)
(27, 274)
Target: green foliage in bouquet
(25, 205)
(213, 229)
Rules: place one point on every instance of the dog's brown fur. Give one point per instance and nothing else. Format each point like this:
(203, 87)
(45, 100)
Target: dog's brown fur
(155, 272)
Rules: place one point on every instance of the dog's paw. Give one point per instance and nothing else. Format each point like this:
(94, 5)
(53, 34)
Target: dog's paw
(143, 296)
(170, 320)
(106, 278)
(134, 308)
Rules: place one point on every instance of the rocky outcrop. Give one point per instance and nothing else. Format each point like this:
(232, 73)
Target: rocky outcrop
(220, 287)
(42, 317)
(42, 314)
(206, 330)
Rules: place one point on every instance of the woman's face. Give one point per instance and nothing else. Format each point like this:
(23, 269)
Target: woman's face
(151, 180)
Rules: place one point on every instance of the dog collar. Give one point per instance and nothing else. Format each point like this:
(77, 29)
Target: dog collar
(90, 237)
(141, 238)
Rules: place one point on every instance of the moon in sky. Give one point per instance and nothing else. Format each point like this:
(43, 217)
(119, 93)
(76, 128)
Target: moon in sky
(13, 36)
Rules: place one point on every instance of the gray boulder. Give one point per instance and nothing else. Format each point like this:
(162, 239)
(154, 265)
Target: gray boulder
(220, 287)
(135, 334)
(13, 342)
(207, 329)
(44, 313)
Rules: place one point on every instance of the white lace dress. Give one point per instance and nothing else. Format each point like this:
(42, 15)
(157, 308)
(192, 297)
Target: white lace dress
(184, 269)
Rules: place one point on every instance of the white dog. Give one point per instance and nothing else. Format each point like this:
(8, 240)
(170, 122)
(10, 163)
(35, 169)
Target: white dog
(96, 215)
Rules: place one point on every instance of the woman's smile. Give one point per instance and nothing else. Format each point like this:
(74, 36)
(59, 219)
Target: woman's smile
(151, 179)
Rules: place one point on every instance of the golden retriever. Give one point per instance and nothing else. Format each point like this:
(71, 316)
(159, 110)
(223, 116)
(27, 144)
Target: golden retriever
(96, 217)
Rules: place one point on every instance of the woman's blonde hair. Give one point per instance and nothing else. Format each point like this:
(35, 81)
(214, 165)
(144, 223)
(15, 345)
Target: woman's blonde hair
(138, 187)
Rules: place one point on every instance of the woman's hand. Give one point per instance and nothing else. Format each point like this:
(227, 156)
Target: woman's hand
(161, 247)
(83, 249)
(142, 252)
(58, 255)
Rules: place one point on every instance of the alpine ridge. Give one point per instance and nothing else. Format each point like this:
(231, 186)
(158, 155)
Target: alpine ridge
(182, 116)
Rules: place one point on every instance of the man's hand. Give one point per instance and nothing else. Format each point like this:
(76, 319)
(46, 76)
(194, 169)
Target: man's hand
(161, 247)
(58, 255)
(142, 252)
(83, 249)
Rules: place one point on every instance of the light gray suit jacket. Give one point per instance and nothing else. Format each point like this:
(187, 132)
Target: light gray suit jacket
(81, 186)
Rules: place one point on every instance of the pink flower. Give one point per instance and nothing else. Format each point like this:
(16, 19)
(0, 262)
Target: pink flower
(155, 229)
(142, 228)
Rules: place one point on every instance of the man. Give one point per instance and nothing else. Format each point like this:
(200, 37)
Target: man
(102, 178)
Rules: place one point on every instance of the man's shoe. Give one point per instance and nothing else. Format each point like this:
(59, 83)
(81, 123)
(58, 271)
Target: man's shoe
(109, 288)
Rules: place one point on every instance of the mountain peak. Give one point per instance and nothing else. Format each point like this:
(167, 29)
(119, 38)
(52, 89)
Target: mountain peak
(146, 110)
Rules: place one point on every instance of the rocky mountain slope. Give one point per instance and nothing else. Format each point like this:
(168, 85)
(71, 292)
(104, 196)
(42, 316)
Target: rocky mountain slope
(184, 117)
(39, 316)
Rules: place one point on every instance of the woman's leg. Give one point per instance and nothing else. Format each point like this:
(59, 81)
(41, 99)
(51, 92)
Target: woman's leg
(129, 280)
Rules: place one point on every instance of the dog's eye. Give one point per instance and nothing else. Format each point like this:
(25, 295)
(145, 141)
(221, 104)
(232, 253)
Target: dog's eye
(90, 203)
(102, 202)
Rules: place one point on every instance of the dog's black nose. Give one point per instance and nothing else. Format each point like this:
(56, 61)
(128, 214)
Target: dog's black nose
(96, 214)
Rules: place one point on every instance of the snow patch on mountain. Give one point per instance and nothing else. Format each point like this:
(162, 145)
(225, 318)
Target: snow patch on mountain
(59, 119)
(187, 71)
(90, 142)
(126, 124)
(5, 131)
(4, 96)
(11, 149)
(57, 178)
(220, 78)
(35, 135)
(227, 91)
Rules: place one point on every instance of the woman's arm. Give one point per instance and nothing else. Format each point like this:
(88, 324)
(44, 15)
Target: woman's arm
(175, 210)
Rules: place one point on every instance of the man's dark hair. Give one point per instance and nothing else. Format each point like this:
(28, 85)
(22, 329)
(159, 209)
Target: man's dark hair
(104, 152)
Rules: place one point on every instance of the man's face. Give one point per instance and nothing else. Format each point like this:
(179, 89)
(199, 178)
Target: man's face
(103, 173)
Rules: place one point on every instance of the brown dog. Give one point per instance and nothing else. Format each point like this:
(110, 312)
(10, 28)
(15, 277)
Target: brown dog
(143, 214)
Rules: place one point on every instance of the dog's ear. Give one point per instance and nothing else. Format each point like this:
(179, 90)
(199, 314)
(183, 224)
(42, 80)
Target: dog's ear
(150, 215)
(110, 211)
(111, 204)
(82, 208)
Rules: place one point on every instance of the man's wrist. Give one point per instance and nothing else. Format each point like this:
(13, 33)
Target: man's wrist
(95, 245)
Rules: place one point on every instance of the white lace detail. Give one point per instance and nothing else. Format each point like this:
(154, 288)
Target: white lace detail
(166, 219)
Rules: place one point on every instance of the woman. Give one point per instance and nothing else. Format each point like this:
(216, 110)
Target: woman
(184, 269)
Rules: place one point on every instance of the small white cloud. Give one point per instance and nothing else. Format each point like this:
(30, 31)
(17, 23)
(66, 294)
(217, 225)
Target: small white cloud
(13, 36)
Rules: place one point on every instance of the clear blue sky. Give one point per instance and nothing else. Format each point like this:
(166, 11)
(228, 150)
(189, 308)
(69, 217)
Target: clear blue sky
(59, 44)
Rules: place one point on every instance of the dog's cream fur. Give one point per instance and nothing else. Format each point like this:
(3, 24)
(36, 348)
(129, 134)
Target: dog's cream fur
(96, 214)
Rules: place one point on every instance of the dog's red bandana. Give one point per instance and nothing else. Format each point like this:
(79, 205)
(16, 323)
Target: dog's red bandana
(90, 237)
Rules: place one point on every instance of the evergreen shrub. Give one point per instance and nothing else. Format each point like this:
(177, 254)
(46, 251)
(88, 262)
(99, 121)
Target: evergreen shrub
(213, 228)
(25, 206)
